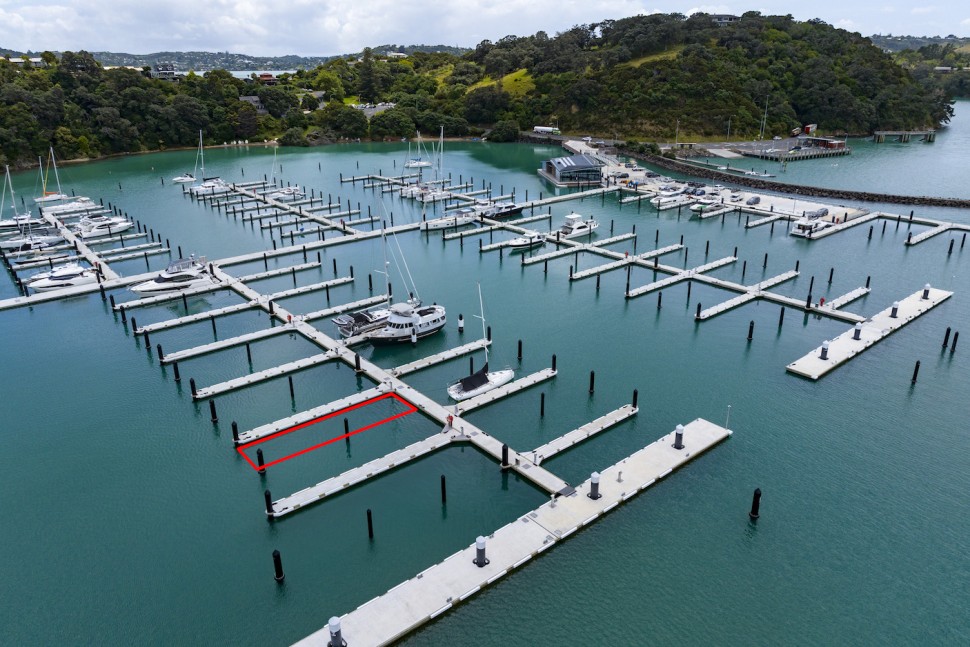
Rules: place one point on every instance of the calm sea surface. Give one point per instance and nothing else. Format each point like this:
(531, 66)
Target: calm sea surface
(128, 518)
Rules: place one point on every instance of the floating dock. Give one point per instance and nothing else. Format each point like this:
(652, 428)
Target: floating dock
(846, 346)
(432, 592)
(585, 432)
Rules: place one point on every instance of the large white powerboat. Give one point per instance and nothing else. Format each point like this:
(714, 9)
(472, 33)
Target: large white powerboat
(33, 239)
(63, 276)
(209, 186)
(285, 194)
(530, 241)
(810, 224)
(182, 274)
(482, 380)
(94, 226)
(575, 227)
(459, 218)
(407, 322)
(78, 204)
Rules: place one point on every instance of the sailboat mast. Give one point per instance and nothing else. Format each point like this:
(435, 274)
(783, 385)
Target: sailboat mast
(481, 308)
(56, 176)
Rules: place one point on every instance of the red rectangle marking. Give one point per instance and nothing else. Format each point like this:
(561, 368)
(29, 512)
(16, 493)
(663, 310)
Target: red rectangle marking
(410, 408)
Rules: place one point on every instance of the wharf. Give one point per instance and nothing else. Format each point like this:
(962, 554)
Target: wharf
(261, 376)
(766, 220)
(609, 267)
(881, 325)
(939, 229)
(845, 299)
(434, 591)
(681, 275)
(585, 432)
(754, 292)
(344, 307)
(223, 344)
(444, 356)
(271, 428)
(356, 475)
(512, 387)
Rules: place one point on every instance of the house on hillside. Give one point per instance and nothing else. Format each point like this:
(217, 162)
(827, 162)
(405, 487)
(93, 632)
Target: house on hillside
(721, 19)
(256, 103)
(165, 72)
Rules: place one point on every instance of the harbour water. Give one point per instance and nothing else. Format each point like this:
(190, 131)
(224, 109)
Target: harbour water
(128, 516)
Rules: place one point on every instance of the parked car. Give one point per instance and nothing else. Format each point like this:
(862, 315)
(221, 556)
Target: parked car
(736, 197)
(753, 200)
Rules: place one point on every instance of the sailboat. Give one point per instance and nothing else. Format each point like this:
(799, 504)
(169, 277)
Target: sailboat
(416, 162)
(190, 177)
(51, 196)
(209, 185)
(482, 380)
(19, 220)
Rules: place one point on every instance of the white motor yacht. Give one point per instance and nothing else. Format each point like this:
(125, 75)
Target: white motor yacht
(417, 162)
(809, 225)
(64, 276)
(407, 322)
(181, 274)
(575, 227)
(459, 218)
(79, 203)
(285, 194)
(184, 178)
(94, 226)
(352, 324)
(529, 241)
(34, 239)
(704, 204)
(209, 186)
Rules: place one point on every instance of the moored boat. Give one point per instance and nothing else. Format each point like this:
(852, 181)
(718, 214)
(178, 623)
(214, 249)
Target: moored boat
(179, 275)
(407, 322)
(530, 241)
(482, 380)
(63, 276)
(575, 227)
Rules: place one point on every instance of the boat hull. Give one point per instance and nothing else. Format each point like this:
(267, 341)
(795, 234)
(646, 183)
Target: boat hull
(495, 380)
(390, 340)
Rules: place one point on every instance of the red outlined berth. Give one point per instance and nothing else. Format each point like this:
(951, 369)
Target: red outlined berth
(410, 409)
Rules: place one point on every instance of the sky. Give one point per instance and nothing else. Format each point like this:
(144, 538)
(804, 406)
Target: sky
(331, 27)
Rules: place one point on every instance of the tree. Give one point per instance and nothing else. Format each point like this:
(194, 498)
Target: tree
(391, 123)
(504, 131)
(484, 104)
(367, 86)
(294, 137)
(341, 120)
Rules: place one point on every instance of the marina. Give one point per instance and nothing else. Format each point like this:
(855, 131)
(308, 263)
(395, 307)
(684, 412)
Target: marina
(296, 372)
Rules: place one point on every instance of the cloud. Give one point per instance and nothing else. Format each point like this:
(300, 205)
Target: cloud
(329, 27)
(846, 24)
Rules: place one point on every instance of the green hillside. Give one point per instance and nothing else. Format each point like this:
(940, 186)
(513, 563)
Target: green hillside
(638, 77)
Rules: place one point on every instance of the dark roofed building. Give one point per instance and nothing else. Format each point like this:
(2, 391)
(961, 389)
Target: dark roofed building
(573, 170)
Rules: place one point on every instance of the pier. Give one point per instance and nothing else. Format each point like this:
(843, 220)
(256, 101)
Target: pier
(434, 591)
(854, 341)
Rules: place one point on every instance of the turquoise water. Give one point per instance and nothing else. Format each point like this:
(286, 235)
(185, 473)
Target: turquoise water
(129, 518)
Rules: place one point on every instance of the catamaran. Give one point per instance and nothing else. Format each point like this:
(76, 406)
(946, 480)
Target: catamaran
(482, 380)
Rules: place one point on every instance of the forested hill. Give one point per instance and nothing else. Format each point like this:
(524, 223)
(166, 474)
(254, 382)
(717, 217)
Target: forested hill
(636, 78)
